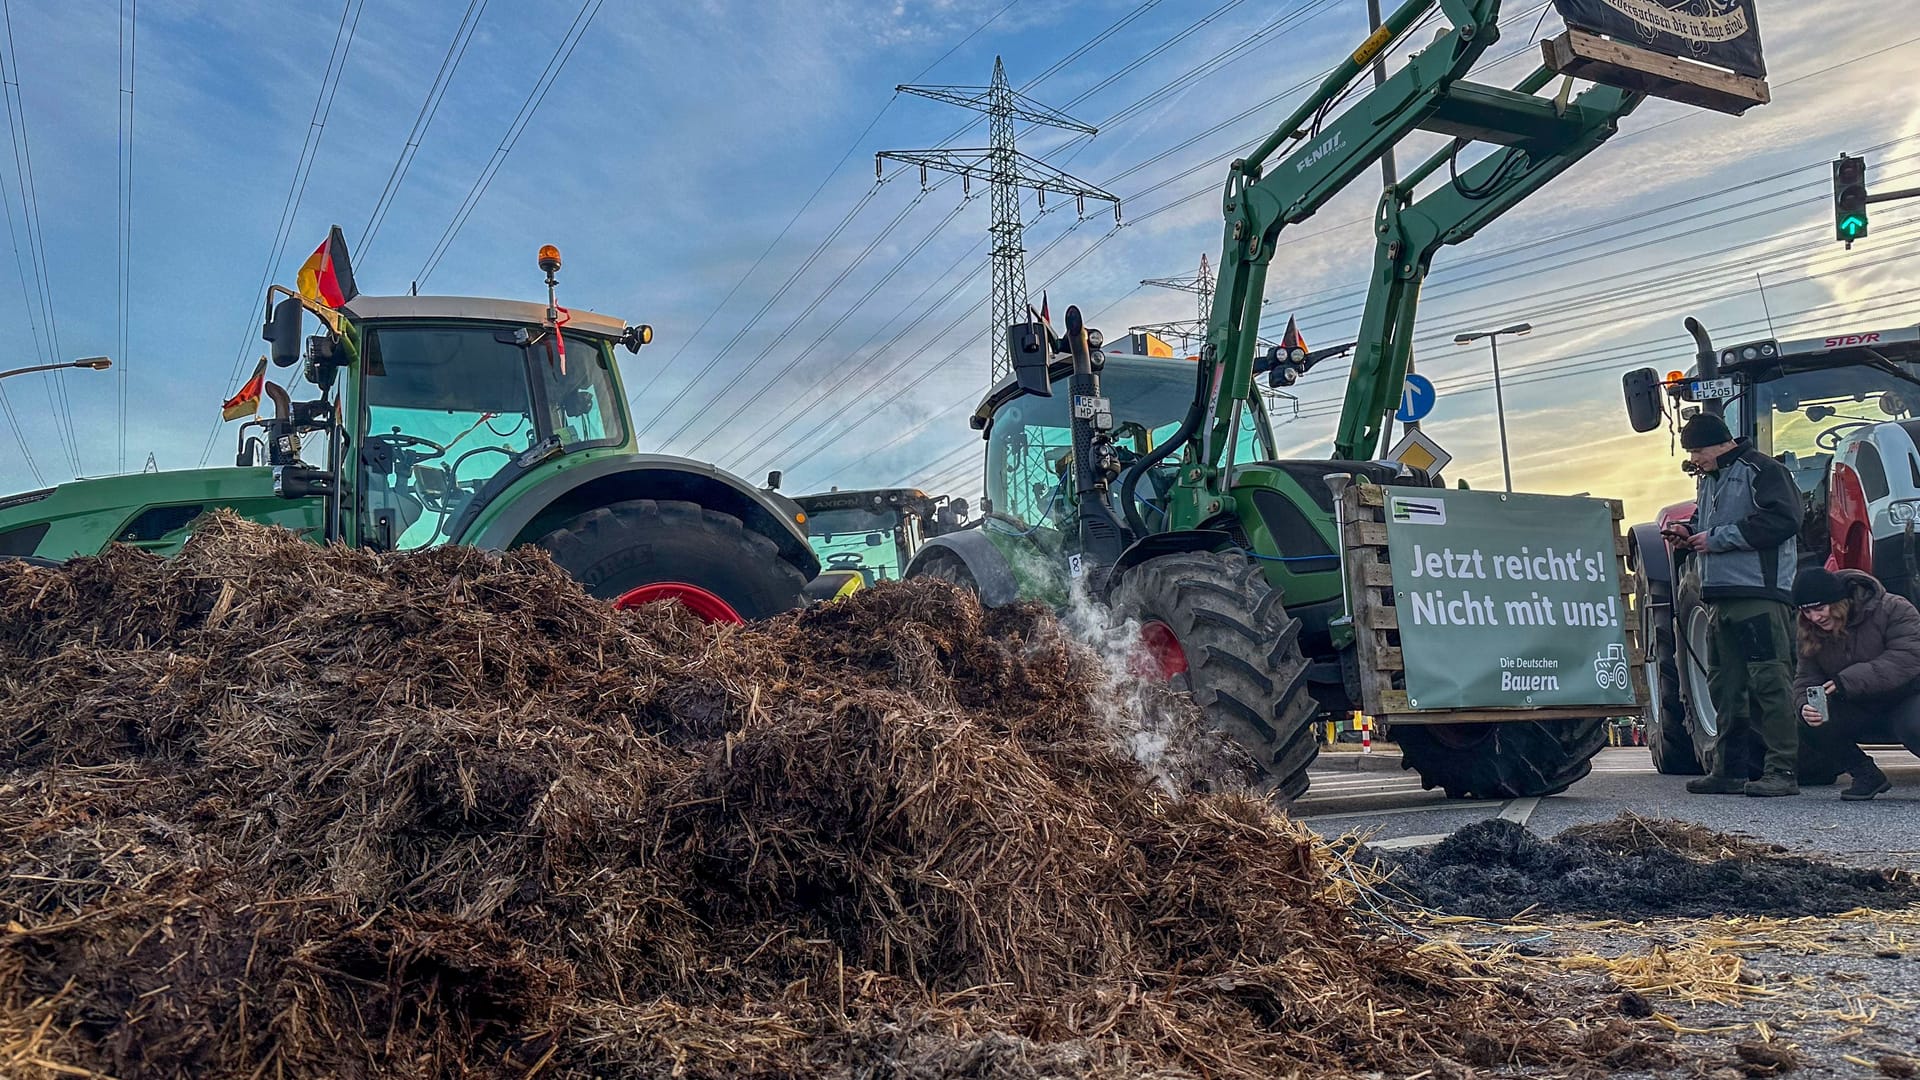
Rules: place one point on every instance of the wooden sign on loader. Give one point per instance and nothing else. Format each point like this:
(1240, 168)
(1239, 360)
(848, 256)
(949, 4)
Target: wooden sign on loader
(1665, 49)
(1382, 610)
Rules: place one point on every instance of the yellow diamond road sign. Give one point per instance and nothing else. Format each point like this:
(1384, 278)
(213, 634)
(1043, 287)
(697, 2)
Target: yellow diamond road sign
(1416, 451)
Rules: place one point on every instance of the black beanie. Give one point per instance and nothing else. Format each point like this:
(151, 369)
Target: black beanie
(1817, 586)
(1704, 430)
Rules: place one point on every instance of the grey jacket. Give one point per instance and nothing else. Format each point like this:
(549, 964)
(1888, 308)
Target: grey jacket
(1750, 509)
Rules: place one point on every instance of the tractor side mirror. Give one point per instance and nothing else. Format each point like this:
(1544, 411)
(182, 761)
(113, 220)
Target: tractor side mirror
(773, 480)
(1893, 404)
(1028, 344)
(960, 509)
(283, 330)
(875, 539)
(1817, 413)
(1642, 389)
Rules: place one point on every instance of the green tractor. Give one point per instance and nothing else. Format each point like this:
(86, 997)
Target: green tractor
(455, 420)
(1154, 485)
(867, 536)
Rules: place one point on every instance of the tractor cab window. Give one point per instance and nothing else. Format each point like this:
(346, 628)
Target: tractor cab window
(858, 539)
(448, 408)
(1030, 445)
(1801, 418)
(581, 399)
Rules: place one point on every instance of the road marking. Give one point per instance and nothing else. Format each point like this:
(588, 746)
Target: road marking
(1400, 842)
(1519, 810)
(1439, 804)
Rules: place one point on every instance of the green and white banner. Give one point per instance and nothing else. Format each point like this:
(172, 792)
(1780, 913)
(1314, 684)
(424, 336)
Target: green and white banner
(1507, 601)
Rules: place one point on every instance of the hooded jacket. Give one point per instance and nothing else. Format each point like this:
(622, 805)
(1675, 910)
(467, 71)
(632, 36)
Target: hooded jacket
(1881, 653)
(1750, 509)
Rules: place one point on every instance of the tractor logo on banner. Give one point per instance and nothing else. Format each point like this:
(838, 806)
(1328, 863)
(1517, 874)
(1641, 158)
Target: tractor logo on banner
(1610, 668)
(1723, 33)
(1419, 512)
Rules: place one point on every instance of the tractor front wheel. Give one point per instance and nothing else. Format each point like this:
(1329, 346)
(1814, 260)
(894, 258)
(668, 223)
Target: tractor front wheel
(1668, 739)
(643, 549)
(1212, 624)
(1516, 759)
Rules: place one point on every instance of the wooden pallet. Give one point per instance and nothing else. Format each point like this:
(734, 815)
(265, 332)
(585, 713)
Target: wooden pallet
(1376, 624)
(1586, 55)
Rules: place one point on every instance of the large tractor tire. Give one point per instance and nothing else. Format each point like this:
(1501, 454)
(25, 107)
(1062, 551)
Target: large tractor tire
(1694, 623)
(1668, 739)
(641, 550)
(1511, 760)
(1215, 627)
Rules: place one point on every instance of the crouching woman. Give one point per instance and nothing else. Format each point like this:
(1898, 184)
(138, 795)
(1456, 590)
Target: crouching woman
(1862, 645)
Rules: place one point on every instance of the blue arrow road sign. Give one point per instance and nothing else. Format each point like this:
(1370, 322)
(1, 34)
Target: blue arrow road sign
(1416, 400)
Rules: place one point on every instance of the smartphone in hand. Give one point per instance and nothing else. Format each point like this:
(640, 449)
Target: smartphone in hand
(1817, 697)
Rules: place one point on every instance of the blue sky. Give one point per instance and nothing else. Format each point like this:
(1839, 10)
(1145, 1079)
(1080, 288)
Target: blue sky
(681, 139)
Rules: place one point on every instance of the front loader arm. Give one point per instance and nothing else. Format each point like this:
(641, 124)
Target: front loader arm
(1410, 235)
(1259, 204)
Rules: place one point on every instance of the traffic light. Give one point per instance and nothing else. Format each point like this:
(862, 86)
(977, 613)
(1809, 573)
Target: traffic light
(1849, 198)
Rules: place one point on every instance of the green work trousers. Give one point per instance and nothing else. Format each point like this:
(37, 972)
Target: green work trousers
(1750, 677)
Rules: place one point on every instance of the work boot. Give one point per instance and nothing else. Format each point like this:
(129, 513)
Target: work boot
(1772, 785)
(1716, 785)
(1868, 781)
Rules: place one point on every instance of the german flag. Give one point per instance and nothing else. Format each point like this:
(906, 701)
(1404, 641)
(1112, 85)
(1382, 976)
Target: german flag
(327, 275)
(247, 401)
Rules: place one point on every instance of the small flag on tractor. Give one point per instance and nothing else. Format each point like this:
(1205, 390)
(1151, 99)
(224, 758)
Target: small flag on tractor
(327, 275)
(1291, 340)
(247, 401)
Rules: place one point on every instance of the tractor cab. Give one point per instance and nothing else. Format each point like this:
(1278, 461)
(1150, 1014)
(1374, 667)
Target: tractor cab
(1804, 402)
(872, 534)
(1030, 438)
(430, 407)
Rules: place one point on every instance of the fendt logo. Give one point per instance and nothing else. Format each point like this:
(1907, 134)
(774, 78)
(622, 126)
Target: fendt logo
(1845, 340)
(1338, 140)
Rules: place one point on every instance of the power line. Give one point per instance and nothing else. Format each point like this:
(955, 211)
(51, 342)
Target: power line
(343, 36)
(821, 339)
(1207, 67)
(429, 108)
(548, 76)
(123, 278)
(55, 382)
(847, 219)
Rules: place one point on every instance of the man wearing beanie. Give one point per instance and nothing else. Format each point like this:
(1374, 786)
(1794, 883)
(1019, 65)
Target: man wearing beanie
(1746, 514)
(1861, 645)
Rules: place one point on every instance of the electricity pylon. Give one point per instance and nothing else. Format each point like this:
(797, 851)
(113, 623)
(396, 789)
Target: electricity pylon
(1187, 330)
(1007, 170)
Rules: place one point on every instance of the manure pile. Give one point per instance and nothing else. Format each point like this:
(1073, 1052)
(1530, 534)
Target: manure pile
(271, 810)
(1633, 867)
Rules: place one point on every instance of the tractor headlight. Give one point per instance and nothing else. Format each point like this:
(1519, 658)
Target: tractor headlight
(1095, 338)
(1904, 511)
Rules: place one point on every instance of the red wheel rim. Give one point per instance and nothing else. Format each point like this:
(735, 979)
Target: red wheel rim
(1160, 655)
(707, 606)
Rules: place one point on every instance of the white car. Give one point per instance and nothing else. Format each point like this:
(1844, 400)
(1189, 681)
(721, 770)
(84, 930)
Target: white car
(1874, 503)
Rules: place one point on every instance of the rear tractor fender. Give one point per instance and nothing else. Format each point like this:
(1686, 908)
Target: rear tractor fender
(985, 563)
(1649, 556)
(1167, 543)
(534, 511)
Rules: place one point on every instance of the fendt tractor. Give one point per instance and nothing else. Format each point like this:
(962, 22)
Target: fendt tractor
(455, 420)
(1840, 412)
(868, 536)
(1154, 485)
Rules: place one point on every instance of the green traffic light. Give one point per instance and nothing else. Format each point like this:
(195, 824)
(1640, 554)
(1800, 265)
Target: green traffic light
(1853, 225)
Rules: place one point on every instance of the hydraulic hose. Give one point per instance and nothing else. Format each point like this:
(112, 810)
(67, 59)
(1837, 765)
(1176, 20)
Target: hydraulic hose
(1181, 436)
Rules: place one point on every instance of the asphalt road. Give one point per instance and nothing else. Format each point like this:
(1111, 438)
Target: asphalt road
(1388, 802)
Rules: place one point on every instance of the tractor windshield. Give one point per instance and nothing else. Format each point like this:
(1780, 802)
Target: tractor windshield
(858, 539)
(1030, 441)
(1801, 417)
(449, 408)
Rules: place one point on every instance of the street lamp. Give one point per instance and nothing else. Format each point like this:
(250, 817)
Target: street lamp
(1499, 402)
(92, 363)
